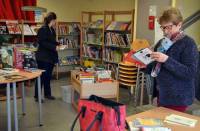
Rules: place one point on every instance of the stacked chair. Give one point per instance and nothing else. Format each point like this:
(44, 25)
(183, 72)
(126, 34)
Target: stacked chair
(131, 76)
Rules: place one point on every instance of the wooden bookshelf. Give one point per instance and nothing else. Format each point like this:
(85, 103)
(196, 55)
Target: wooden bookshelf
(20, 40)
(65, 34)
(111, 17)
(107, 17)
(92, 36)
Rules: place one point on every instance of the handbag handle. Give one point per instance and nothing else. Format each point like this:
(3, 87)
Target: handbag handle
(98, 117)
(116, 108)
(82, 111)
(118, 115)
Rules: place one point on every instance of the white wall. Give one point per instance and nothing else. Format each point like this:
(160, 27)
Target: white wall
(70, 10)
(188, 7)
(143, 31)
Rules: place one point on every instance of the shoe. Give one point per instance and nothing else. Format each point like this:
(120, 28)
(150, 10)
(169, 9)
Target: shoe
(36, 100)
(50, 97)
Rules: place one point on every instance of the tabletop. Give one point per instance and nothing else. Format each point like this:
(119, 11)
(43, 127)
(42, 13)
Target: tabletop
(25, 75)
(161, 113)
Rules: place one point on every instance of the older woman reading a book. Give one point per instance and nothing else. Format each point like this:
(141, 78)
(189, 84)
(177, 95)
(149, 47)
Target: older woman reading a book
(175, 66)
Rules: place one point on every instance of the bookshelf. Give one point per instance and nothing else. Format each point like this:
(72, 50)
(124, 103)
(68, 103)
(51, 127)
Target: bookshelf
(92, 37)
(14, 33)
(118, 38)
(115, 39)
(68, 33)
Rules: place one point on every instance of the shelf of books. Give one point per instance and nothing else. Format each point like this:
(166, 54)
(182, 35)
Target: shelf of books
(68, 33)
(92, 38)
(118, 38)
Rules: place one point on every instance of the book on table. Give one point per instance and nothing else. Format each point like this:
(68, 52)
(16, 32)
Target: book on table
(180, 120)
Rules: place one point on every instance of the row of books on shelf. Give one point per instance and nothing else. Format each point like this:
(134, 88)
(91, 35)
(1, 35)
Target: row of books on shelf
(114, 25)
(119, 26)
(92, 36)
(17, 56)
(111, 55)
(13, 27)
(69, 60)
(70, 43)
(95, 24)
(116, 39)
(92, 52)
(64, 29)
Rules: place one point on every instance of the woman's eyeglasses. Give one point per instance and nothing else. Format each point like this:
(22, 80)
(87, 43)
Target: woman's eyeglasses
(166, 27)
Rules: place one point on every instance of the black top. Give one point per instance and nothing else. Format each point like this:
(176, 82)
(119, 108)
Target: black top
(47, 45)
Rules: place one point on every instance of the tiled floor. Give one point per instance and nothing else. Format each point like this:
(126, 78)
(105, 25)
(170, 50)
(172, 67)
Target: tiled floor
(57, 115)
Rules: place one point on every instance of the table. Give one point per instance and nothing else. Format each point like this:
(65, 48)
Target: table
(106, 90)
(27, 76)
(161, 113)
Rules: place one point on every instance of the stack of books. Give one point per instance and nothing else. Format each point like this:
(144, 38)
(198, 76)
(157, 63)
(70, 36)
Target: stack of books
(87, 77)
(104, 76)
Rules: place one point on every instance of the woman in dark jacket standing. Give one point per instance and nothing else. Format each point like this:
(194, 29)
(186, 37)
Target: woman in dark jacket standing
(175, 66)
(47, 55)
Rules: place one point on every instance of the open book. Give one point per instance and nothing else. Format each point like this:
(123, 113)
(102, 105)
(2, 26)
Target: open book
(143, 56)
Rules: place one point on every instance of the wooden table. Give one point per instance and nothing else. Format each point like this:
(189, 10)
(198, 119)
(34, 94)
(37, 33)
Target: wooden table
(161, 113)
(106, 90)
(27, 76)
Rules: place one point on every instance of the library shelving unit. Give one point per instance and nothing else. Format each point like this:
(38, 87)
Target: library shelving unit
(68, 33)
(16, 32)
(105, 37)
(92, 37)
(118, 37)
